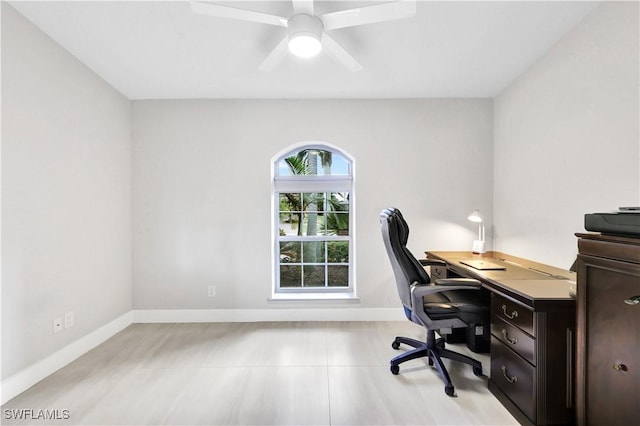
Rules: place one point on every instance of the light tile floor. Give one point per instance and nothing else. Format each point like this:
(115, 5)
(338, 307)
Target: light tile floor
(284, 373)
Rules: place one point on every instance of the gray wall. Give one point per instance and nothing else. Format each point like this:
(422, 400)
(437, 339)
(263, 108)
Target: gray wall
(567, 138)
(202, 189)
(66, 209)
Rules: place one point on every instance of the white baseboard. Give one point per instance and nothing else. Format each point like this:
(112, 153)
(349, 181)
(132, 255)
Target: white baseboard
(279, 314)
(24, 379)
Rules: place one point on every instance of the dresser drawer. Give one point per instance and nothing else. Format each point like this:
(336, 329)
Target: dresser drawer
(513, 313)
(514, 376)
(514, 338)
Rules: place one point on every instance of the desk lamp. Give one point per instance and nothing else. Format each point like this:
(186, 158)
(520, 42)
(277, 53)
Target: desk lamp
(478, 245)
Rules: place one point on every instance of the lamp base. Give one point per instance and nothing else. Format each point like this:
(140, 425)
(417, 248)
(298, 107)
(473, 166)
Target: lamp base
(478, 247)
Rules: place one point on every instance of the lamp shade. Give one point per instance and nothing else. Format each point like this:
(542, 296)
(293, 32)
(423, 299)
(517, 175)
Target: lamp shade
(475, 216)
(305, 33)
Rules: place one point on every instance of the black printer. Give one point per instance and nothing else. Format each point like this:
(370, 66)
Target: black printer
(624, 222)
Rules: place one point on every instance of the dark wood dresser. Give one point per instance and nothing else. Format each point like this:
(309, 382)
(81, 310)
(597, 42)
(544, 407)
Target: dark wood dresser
(608, 330)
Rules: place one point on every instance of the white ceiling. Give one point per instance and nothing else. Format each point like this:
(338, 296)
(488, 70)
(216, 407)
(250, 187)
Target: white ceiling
(162, 50)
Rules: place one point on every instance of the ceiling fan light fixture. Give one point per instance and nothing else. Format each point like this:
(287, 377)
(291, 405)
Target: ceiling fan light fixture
(304, 32)
(304, 46)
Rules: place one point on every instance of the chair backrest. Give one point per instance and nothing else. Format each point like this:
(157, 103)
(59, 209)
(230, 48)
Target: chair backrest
(406, 268)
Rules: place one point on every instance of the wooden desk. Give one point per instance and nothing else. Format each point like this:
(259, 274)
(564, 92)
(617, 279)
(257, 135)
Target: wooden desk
(532, 333)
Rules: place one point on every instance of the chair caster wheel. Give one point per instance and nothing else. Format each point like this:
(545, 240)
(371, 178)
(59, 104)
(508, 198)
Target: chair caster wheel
(477, 371)
(395, 369)
(449, 390)
(395, 345)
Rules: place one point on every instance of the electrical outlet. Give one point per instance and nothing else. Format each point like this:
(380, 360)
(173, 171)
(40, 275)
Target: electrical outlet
(57, 325)
(212, 291)
(68, 319)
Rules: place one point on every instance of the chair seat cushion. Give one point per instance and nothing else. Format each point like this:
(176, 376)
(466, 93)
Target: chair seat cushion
(468, 305)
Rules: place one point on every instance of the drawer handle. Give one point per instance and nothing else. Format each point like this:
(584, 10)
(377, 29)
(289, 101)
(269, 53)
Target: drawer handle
(513, 315)
(619, 367)
(632, 300)
(506, 376)
(506, 337)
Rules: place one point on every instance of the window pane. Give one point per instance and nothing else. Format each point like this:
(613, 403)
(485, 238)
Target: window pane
(313, 252)
(313, 276)
(338, 275)
(338, 251)
(295, 163)
(290, 213)
(314, 162)
(337, 223)
(290, 251)
(322, 224)
(339, 165)
(338, 216)
(338, 201)
(319, 206)
(312, 204)
(319, 200)
(290, 276)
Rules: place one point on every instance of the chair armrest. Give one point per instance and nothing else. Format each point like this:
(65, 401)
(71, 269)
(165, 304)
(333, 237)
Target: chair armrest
(448, 282)
(418, 291)
(432, 262)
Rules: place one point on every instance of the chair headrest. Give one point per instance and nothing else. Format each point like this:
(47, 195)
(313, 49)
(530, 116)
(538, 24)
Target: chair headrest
(406, 269)
(397, 223)
(402, 226)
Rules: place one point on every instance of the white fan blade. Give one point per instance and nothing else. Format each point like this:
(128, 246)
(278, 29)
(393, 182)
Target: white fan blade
(239, 14)
(276, 55)
(337, 52)
(303, 6)
(369, 15)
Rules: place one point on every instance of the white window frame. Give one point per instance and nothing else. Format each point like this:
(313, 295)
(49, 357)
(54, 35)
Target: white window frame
(312, 184)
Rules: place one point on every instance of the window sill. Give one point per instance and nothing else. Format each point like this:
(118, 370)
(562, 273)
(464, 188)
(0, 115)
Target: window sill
(314, 297)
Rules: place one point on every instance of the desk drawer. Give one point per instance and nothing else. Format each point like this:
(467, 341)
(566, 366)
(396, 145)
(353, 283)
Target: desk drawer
(512, 313)
(514, 376)
(514, 338)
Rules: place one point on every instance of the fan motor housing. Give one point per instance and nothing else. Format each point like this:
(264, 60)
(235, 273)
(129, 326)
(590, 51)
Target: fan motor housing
(304, 24)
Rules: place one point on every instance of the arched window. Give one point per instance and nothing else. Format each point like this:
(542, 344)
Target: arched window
(313, 221)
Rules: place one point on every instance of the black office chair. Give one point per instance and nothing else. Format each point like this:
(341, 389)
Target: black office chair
(441, 306)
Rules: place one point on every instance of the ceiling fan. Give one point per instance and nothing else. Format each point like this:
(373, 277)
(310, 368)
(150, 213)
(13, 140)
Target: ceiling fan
(306, 32)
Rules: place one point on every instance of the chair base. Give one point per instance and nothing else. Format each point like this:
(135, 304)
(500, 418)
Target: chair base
(433, 349)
